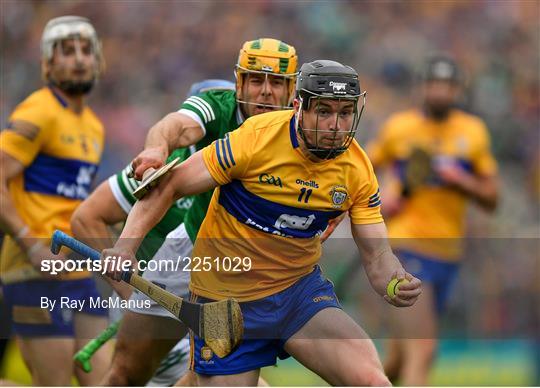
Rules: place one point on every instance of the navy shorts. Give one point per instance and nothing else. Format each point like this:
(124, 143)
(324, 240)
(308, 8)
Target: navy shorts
(30, 305)
(440, 274)
(268, 324)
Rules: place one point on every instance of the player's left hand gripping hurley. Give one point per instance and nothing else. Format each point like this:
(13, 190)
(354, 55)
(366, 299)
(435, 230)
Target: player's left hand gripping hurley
(220, 323)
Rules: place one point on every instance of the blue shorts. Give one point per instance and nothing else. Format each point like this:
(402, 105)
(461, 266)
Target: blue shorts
(268, 324)
(440, 274)
(33, 318)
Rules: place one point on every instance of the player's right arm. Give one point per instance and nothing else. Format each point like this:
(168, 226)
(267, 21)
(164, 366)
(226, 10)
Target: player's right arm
(90, 221)
(10, 221)
(108, 205)
(20, 142)
(181, 129)
(225, 159)
(176, 130)
(19, 145)
(190, 178)
(381, 265)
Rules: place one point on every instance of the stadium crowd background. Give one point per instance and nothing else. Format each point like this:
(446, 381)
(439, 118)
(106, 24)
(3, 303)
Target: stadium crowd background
(155, 50)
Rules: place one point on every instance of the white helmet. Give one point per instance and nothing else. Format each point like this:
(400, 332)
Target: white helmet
(65, 27)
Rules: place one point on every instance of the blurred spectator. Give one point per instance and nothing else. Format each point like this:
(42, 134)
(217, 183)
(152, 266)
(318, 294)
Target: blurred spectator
(172, 44)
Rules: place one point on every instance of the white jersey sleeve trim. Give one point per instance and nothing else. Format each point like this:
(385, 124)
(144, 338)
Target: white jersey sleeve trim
(117, 193)
(205, 105)
(195, 117)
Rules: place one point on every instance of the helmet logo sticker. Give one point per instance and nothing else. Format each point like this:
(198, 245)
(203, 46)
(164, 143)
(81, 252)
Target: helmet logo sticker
(338, 87)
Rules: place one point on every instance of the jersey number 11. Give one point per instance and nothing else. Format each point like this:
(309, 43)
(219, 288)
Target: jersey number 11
(306, 192)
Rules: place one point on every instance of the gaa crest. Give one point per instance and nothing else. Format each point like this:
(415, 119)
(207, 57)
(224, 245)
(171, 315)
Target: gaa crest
(339, 195)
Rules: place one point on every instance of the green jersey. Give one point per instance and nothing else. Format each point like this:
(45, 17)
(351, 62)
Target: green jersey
(123, 187)
(217, 113)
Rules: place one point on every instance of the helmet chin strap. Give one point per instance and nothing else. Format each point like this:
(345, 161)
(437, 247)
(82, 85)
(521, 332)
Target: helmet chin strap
(321, 153)
(326, 154)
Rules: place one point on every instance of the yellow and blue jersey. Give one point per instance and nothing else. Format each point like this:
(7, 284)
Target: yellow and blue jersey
(60, 158)
(432, 220)
(273, 204)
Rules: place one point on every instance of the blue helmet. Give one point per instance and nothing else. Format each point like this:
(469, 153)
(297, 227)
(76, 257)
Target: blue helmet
(210, 84)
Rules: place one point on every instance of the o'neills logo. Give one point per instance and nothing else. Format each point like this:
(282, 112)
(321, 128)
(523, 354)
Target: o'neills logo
(310, 183)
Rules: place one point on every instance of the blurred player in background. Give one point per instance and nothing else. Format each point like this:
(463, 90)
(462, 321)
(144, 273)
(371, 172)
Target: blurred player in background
(435, 160)
(49, 153)
(265, 81)
(282, 176)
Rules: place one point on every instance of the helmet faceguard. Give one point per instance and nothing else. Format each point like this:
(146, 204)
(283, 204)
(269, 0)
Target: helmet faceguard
(325, 86)
(268, 57)
(69, 27)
